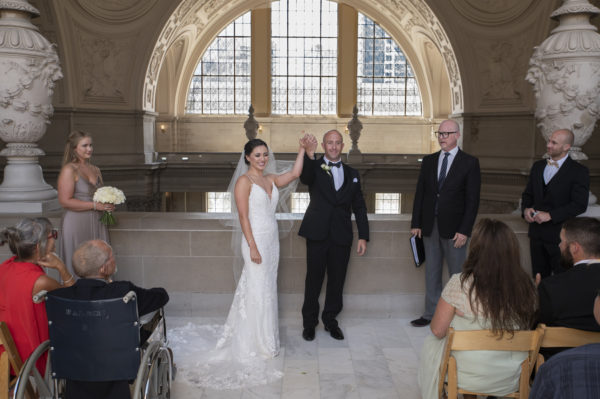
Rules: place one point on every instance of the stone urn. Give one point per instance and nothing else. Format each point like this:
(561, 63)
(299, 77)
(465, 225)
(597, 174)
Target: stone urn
(565, 73)
(29, 66)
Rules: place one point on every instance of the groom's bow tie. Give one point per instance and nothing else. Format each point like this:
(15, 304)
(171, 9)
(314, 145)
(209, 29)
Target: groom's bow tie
(336, 164)
(552, 163)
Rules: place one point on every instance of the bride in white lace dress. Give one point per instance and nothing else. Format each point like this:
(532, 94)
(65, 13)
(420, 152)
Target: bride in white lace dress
(250, 335)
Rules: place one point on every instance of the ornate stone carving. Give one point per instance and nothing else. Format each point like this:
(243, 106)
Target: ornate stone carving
(251, 125)
(116, 10)
(29, 67)
(500, 84)
(103, 62)
(565, 73)
(491, 12)
(354, 127)
(410, 14)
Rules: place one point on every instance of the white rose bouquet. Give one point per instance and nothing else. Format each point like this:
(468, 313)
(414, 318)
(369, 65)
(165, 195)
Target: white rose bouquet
(109, 195)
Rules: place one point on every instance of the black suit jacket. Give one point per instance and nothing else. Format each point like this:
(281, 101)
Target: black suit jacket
(148, 300)
(567, 299)
(458, 199)
(329, 211)
(565, 197)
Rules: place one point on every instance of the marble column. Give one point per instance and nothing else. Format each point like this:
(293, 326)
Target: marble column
(29, 66)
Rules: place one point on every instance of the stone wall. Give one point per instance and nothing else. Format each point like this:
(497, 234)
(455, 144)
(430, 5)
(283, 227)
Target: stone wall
(189, 254)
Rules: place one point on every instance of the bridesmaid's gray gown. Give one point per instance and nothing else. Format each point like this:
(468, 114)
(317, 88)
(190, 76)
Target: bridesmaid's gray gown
(78, 227)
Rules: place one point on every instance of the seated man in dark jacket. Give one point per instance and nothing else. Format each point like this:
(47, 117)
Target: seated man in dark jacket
(567, 299)
(94, 262)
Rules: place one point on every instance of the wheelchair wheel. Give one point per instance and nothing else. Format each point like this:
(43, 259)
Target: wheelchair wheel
(155, 373)
(31, 381)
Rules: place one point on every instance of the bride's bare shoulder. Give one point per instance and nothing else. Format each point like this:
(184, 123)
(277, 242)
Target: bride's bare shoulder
(243, 183)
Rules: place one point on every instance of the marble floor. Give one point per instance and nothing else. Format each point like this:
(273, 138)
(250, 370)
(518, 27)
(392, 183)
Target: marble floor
(377, 360)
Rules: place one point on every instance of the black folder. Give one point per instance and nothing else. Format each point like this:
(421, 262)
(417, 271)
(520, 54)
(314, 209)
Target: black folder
(418, 250)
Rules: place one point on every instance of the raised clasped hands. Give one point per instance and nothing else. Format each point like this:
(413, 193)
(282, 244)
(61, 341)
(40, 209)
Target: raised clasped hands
(309, 143)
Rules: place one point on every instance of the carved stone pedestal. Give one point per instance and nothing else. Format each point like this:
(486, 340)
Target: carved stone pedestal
(28, 69)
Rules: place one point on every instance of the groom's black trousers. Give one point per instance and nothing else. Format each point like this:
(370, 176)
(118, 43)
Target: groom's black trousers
(324, 256)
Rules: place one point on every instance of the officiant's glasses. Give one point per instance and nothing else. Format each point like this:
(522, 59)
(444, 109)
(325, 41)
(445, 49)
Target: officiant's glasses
(444, 134)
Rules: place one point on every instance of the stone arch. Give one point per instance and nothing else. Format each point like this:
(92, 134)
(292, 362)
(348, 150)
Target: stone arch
(193, 25)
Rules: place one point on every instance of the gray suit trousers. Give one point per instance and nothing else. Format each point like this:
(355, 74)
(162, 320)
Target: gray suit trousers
(436, 250)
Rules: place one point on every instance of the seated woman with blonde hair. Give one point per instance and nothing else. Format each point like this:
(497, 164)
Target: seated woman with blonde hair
(492, 292)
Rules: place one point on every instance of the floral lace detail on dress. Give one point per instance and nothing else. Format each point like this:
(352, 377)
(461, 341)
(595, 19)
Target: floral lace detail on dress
(456, 295)
(243, 349)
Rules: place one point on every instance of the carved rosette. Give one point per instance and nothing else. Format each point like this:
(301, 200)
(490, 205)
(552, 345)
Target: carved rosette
(565, 73)
(29, 66)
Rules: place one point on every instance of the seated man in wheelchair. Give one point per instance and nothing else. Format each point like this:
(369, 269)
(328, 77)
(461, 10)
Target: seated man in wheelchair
(94, 262)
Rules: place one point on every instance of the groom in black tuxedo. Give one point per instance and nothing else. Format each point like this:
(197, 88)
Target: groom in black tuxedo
(335, 193)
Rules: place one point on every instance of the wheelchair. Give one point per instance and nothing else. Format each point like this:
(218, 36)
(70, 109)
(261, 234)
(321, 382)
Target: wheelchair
(100, 341)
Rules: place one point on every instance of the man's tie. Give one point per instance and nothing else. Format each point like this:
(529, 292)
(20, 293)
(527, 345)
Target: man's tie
(552, 163)
(442, 176)
(336, 164)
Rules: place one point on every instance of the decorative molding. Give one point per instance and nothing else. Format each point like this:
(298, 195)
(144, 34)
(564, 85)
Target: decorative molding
(29, 66)
(104, 60)
(491, 12)
(116, 11)
(500, 82)
(200, 14)
(565, 74)
(19, 5)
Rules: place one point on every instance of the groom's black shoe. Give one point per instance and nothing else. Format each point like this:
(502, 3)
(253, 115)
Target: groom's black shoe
(308, 333)
(335, 332)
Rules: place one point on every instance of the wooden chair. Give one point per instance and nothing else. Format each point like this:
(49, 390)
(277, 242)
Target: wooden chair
(564, 337)
(522, 341)
(4, 375)
(13, 357)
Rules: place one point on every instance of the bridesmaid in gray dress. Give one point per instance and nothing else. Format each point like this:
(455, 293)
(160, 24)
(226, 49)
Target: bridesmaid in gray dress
(77, 183)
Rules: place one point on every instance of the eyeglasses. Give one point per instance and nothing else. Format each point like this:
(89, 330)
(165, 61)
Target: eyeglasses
(444, 134)
(53, 234)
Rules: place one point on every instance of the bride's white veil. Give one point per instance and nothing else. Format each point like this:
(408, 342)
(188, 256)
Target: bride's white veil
(285, 193)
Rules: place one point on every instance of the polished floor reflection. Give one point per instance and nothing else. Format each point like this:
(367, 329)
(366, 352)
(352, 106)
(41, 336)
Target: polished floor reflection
(377, 360)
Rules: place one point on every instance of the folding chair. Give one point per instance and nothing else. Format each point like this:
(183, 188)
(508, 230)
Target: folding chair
(564, 337)
(522, 341)
(13, 357)
(4, 375)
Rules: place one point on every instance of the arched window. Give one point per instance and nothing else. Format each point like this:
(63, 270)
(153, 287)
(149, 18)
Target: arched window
(304, 57)
(386, 84)
(221, 81)
(304, 66)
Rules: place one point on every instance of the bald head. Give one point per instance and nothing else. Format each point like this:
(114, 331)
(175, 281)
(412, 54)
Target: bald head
(448, 134)
(449, 125)
(560, 143)
(90, 257)
(332, 132)
(333, 144)
(565, 136)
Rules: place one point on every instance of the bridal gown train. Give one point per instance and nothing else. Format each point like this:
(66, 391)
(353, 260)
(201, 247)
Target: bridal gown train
(250, 335)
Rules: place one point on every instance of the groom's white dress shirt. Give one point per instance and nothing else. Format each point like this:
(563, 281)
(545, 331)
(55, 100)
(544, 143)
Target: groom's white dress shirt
(337, 173)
